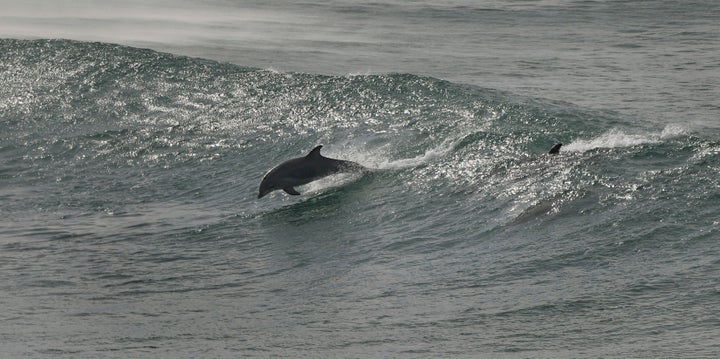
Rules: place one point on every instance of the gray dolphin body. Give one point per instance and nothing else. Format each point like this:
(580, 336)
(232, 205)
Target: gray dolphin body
(303, 170)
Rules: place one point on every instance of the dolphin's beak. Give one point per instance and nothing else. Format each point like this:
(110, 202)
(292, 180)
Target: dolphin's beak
(263, 192)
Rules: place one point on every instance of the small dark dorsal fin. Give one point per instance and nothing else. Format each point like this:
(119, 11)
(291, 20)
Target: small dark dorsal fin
(555, 149)
(315, 153)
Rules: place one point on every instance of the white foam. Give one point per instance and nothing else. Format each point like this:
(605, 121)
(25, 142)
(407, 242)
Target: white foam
(671, 131)
(380, 158)
(616, 138)
(426, 157)
(365, 73)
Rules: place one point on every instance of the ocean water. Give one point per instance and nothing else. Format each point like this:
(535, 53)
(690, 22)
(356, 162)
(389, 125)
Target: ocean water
(133, 139)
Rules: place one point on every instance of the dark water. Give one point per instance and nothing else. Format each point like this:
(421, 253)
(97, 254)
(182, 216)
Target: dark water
(130, 227)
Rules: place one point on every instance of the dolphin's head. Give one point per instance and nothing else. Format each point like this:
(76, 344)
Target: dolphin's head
(266, 187)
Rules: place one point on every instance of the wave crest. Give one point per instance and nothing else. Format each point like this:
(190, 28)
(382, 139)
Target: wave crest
(616, 138)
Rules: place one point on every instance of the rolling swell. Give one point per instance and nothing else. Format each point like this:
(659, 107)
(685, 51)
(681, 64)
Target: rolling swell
(106, 148)
(92, 122)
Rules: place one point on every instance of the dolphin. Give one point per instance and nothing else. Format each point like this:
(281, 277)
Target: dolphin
(303, 170)
(555, 149)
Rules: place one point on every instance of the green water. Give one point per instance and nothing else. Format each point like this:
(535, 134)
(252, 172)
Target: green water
(130, 223)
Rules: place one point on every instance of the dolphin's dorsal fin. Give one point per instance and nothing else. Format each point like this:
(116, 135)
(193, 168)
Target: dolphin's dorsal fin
(555, 149)
(315, 153)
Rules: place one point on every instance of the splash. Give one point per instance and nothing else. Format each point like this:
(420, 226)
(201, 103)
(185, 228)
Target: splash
(428, 156)
(381, 158)
(616, 138)
(325, 183)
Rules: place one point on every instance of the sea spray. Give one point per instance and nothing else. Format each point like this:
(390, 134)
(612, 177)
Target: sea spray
(616, 138)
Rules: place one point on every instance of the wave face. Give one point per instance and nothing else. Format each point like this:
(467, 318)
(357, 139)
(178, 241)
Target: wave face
(128, 181)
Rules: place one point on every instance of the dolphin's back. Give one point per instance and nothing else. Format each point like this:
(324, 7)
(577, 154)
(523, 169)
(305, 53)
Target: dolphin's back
(301, 169)
(293, 172)
(327, 165)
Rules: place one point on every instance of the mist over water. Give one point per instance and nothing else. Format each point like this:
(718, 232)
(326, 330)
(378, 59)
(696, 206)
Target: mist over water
(129, 218)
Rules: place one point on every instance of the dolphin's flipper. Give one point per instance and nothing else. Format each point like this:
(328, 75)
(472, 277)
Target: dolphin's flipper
(315, 153)
(292, 191)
